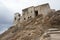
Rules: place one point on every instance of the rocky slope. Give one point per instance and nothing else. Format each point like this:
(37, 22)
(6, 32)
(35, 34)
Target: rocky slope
(32, 29)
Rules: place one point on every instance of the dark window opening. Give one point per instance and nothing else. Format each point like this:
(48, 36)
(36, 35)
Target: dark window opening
(19, 15)
(36, 13)
(24, 18)
(15, 18)
(29, 17)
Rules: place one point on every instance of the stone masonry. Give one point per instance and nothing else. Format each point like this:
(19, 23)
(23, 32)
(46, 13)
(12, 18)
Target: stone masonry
(36, 23)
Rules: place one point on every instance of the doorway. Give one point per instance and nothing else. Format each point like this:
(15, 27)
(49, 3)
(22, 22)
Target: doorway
(36, 13)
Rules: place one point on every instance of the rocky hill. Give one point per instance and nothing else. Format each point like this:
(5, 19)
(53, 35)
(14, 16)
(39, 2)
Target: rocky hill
(33, 29)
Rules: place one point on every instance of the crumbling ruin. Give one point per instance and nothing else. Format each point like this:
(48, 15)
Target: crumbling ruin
(36, 23)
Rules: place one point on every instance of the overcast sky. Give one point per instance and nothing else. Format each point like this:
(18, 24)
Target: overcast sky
(9, 7)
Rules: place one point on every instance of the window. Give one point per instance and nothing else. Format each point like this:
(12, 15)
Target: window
(19, 15)
(36, 13)
(29, 17)
(15, 18)
(24, 18)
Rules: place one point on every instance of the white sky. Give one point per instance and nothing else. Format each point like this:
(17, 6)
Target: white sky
(18, 5)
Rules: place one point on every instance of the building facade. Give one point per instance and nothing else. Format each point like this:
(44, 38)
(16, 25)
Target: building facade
(32, 12)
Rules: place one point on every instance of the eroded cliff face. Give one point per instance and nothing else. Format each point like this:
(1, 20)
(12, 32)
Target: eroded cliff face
(32, 29)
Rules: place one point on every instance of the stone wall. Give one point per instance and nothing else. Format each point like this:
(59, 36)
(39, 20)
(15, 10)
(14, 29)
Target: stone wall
(34, 28)
(32, 12)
